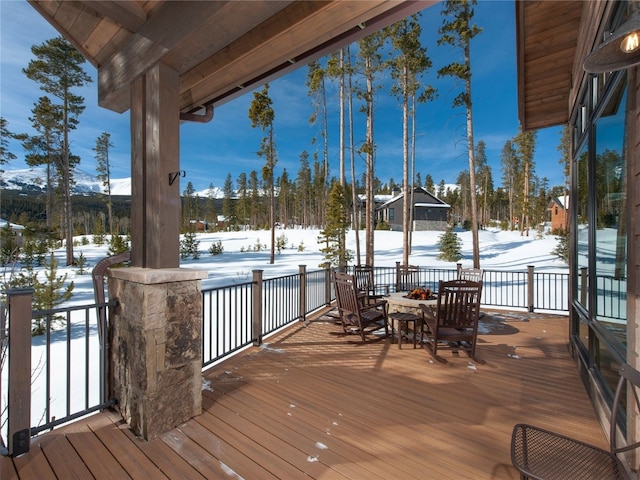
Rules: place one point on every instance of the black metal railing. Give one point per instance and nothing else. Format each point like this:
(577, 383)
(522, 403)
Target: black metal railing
(233, 317)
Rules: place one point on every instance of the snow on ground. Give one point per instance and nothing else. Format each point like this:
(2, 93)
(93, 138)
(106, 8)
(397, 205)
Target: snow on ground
(499, 250)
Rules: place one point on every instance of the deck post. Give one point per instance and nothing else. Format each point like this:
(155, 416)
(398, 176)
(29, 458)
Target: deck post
(303, 292)
(19, 416)
(327, 283)
(156, 348)
(530, 289)
(256, 320)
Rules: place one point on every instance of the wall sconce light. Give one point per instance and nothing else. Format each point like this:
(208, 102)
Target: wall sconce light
(622, 48)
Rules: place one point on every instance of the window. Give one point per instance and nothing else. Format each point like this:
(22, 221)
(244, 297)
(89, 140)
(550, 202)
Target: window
(610, 211)
(391, 214)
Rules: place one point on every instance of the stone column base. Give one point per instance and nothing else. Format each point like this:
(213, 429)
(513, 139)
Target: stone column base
(156, 349)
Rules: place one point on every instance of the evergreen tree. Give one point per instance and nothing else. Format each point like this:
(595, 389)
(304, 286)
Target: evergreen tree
(458, 31)
(5, 135)
(227, 202)
(44, 148)
(450, 246)
(262, 115)
(409, 62)
(49, 293)
(510, 168)
(9, 249)
(526, 143)
(212, 212)
(370, 65)
(189, 210)
(562, 249)
(58, 70)
(117, 245)
(103, 166)
(189, 245)
(336, 226)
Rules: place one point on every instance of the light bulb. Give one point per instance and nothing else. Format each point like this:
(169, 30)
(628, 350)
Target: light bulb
(630, 43)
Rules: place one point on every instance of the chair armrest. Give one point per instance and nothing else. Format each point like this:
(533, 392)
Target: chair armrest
(371, 306)
(427, 311)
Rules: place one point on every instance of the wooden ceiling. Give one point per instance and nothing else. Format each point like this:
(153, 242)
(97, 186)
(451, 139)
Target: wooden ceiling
(219, 48)
(547, 37)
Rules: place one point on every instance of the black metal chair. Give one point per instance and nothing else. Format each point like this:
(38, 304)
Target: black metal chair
(545, 455)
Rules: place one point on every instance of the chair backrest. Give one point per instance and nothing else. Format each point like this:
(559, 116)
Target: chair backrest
(346, 293)
(473, 274)
(364, 279)
(627, 389)
(407, 277)
(459, 303)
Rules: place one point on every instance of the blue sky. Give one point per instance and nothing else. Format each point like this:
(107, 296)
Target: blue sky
(208, 152)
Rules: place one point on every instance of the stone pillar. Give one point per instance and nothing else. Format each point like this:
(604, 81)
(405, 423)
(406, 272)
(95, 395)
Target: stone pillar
(156, 348)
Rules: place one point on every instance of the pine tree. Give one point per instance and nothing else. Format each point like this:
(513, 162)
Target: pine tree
(337, 223)
(458, 32)
(228, 210)
(58, 69)
(410, 61)
(5, 135)
(262, 115)
(103, 144)
(450, 246)
(49, 294)
(118, 245)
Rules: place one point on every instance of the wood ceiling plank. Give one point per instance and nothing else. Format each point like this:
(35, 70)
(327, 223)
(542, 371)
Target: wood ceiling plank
(219, 31)
(237, 64)
(128, 14)
(162, 32)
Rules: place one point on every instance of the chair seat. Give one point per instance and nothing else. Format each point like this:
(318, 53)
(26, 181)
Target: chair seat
(542, 454)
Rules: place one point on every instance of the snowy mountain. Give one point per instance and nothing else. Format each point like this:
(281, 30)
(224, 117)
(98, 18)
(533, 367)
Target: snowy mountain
(34, 180)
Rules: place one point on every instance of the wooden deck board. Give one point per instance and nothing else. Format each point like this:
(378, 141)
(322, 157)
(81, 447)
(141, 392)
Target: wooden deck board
(315, 403)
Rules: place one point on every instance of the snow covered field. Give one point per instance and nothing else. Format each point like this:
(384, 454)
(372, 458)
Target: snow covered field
(498, 251)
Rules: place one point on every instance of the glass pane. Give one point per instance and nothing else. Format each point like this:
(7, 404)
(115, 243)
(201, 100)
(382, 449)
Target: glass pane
(582, 234)
(610, 205)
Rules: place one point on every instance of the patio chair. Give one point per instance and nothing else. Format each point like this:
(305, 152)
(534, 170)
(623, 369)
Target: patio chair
(541, 454)
(407, 277)
(356, 315)
(454, 321)
(365, 282)
(473, 274)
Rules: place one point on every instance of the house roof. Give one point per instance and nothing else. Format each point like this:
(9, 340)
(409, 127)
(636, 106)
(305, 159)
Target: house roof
(219, 48)
(547, 38)
(436, 203)
(562, 202)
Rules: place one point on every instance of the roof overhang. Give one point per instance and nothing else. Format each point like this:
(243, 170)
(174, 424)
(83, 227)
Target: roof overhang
(219, 48)
(547, 35)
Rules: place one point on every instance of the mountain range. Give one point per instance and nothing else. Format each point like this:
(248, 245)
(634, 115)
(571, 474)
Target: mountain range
(33, 180)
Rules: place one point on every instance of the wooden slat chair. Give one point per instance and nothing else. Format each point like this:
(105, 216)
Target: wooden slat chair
(544, 455)
(365, 282)
(356, 314)
(473, 274)
(407, 278)
(455, 318)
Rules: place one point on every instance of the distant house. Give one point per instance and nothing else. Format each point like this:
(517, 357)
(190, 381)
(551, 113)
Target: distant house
(16, 230)
(429, 212)
(362, 203)
(559, 210)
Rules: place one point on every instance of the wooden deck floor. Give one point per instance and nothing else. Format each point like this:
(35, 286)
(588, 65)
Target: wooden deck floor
(313, 403)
